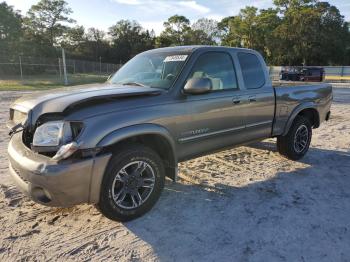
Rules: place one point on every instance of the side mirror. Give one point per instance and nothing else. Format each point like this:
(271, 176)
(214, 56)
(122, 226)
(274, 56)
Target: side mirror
(197, 86)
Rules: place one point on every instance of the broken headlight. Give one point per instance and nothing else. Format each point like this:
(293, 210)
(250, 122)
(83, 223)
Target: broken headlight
(52, 134)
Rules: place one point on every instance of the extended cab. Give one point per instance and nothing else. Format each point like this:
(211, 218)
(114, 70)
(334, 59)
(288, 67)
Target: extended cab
(113, 144)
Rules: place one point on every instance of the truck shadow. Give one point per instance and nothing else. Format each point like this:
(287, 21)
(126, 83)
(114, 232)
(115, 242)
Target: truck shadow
(294, 216)
(315, 157)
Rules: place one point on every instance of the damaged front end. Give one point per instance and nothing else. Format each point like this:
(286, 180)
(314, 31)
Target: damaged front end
(46, 162)
(51, 135)
(56, 138)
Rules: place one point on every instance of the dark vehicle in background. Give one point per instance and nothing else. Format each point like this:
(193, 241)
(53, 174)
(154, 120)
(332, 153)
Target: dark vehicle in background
(290, 74)
(113, 144)
(312, 74)
(306, 74)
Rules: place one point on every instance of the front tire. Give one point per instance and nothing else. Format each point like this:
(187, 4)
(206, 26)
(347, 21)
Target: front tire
(132, 183)
(296, 143)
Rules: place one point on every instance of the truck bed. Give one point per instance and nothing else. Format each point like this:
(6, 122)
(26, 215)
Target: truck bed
(292, 97)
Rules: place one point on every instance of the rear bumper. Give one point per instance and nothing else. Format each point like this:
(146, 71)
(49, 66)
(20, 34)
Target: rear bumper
(52, 183)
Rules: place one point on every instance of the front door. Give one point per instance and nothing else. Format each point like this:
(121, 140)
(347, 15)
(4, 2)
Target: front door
(217, 118)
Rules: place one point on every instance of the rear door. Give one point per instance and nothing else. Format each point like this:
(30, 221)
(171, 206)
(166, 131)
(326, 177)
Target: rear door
(258, 96)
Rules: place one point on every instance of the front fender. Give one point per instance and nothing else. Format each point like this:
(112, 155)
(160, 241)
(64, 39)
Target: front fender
(128, 132)
(136, 130)
(144, 129)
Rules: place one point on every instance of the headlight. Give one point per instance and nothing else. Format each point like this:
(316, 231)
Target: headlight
(52, 134)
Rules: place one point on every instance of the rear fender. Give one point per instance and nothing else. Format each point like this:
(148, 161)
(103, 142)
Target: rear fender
(296, 111)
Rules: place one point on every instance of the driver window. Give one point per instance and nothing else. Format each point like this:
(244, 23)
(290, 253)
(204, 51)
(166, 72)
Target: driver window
(218, 67)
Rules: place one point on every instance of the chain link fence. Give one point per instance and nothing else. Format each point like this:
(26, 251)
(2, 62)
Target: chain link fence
(25, 67)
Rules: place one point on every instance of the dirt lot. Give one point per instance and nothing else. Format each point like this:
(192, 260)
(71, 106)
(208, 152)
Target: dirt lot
(245, 204)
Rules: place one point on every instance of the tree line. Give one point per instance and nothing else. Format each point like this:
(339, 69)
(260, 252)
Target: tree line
(292, 32)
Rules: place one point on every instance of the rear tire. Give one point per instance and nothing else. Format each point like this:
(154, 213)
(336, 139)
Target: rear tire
(296, 143)
(132, 183)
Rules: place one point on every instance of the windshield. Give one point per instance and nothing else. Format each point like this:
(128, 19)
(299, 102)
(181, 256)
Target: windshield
(158, 70)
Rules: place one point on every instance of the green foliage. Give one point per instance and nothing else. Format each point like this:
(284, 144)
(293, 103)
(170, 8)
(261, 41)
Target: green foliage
(305, 30)
(295, 32)
(10, 28)
(208, 31)
(178, 31)
(290, 33)
(129, 39)
(251, 29)
(48, 19)
(208, 26)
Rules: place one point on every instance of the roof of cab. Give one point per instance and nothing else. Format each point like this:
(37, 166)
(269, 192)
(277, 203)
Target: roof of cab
(192, 48)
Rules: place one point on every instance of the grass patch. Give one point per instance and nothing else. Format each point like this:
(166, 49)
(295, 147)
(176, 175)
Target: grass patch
(43, 82)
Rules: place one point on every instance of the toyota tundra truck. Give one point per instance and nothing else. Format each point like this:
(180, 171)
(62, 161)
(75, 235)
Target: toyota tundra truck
(113, 144)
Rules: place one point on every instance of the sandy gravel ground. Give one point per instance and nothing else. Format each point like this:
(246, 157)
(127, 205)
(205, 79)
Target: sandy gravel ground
(244, 204)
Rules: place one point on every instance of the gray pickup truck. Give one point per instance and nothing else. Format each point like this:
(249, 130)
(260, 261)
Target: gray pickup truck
(113, 144)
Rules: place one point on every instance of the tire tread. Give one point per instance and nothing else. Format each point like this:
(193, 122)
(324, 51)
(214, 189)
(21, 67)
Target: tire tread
(118, 157)
(285, 143)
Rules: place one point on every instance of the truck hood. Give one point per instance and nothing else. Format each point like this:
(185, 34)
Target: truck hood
(66, 99)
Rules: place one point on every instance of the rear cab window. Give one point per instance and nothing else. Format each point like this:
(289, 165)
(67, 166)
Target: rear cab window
(252, 70)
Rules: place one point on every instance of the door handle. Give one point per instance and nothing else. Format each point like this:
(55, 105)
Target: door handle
(252, 99)
(236, 100)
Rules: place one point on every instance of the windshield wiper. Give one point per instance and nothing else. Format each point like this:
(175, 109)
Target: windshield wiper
(134, 84)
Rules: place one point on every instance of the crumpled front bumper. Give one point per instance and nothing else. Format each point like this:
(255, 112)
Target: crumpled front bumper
(53, 183)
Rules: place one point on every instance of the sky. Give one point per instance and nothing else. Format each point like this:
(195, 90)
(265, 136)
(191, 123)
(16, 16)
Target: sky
(152, 13)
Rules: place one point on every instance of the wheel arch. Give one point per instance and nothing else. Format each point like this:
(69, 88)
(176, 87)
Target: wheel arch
(154, 136)
(307, 110)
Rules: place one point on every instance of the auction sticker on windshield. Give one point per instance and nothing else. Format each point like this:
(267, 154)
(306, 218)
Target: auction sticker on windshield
(173, 58)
